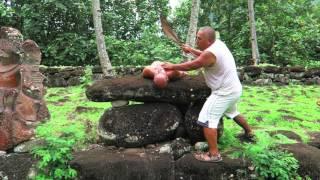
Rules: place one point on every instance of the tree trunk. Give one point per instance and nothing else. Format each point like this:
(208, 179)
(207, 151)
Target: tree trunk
(254, 43)
(191, 37)
(102, 51)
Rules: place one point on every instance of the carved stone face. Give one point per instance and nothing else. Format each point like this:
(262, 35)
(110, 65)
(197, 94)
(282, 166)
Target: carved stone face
(11, 34)
(21, 103)
(9, 53)
(31, 52)
(9, 72)
(10, 40)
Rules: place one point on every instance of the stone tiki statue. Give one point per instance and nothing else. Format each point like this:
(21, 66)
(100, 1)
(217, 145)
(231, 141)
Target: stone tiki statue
(21, 89)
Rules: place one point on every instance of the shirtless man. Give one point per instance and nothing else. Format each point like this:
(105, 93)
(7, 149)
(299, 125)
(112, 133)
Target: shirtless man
(160, 76)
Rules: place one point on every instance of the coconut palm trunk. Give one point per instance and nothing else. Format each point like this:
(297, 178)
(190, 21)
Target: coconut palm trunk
(193, 25)
(102, 51)
(254, 43)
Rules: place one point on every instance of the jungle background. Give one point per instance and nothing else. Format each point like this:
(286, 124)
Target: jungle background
(288, 32)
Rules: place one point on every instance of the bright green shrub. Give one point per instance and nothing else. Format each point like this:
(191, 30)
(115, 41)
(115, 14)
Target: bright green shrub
(60, 139)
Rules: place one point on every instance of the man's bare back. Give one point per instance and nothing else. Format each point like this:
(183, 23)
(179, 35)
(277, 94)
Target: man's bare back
(159, 75)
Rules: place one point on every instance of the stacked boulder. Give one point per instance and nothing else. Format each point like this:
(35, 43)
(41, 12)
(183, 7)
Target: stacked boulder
(159, 116)
(150, 139)
(152, 136)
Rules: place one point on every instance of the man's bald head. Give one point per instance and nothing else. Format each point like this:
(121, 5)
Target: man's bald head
(205, 37)
(209, 33)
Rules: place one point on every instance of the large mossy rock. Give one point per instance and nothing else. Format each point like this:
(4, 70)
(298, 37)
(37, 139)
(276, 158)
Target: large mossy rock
(140, 124)
(148, 164)
(308, 157)
(188, 167)
(114, 165)
(314, 139)
(137, 88)
(16, 166)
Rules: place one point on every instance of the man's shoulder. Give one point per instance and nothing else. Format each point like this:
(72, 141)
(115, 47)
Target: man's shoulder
(216, 44)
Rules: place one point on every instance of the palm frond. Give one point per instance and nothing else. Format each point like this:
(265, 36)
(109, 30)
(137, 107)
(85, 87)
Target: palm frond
(168, 30)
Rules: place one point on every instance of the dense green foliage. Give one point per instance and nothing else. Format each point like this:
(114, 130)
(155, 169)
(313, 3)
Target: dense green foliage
(269, 160)
(66, 131)
(60, 138)
(288, 31)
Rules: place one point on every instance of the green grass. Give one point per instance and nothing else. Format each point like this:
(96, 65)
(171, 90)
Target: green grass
(63, 104)
(291, 108)
(266, 108)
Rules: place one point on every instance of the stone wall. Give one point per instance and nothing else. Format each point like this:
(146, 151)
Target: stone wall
(279, 75)
(71, 76)
(119, 70)
(62, 76)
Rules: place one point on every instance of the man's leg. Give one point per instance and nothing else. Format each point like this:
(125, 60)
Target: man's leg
(213, 155)
(211, 136)
(209, 117)
(241, 121)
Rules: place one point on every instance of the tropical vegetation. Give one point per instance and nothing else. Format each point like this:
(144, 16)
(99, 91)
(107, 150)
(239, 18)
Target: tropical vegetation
(288, 32)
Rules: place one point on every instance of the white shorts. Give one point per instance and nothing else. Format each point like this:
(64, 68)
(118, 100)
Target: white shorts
(216, 106)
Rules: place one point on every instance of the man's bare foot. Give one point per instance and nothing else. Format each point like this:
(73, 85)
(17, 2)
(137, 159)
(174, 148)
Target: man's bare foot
(207, 157)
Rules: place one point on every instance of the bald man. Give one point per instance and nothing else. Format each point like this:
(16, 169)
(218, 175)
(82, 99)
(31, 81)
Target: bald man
(221, 77)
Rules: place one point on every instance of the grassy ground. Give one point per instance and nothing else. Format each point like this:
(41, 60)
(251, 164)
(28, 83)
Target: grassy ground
(70, 106)
(267, 108)
(291, 108)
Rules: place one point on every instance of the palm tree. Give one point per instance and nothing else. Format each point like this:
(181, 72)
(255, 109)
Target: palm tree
(191, 37)
(254, 43)
(102, 51)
